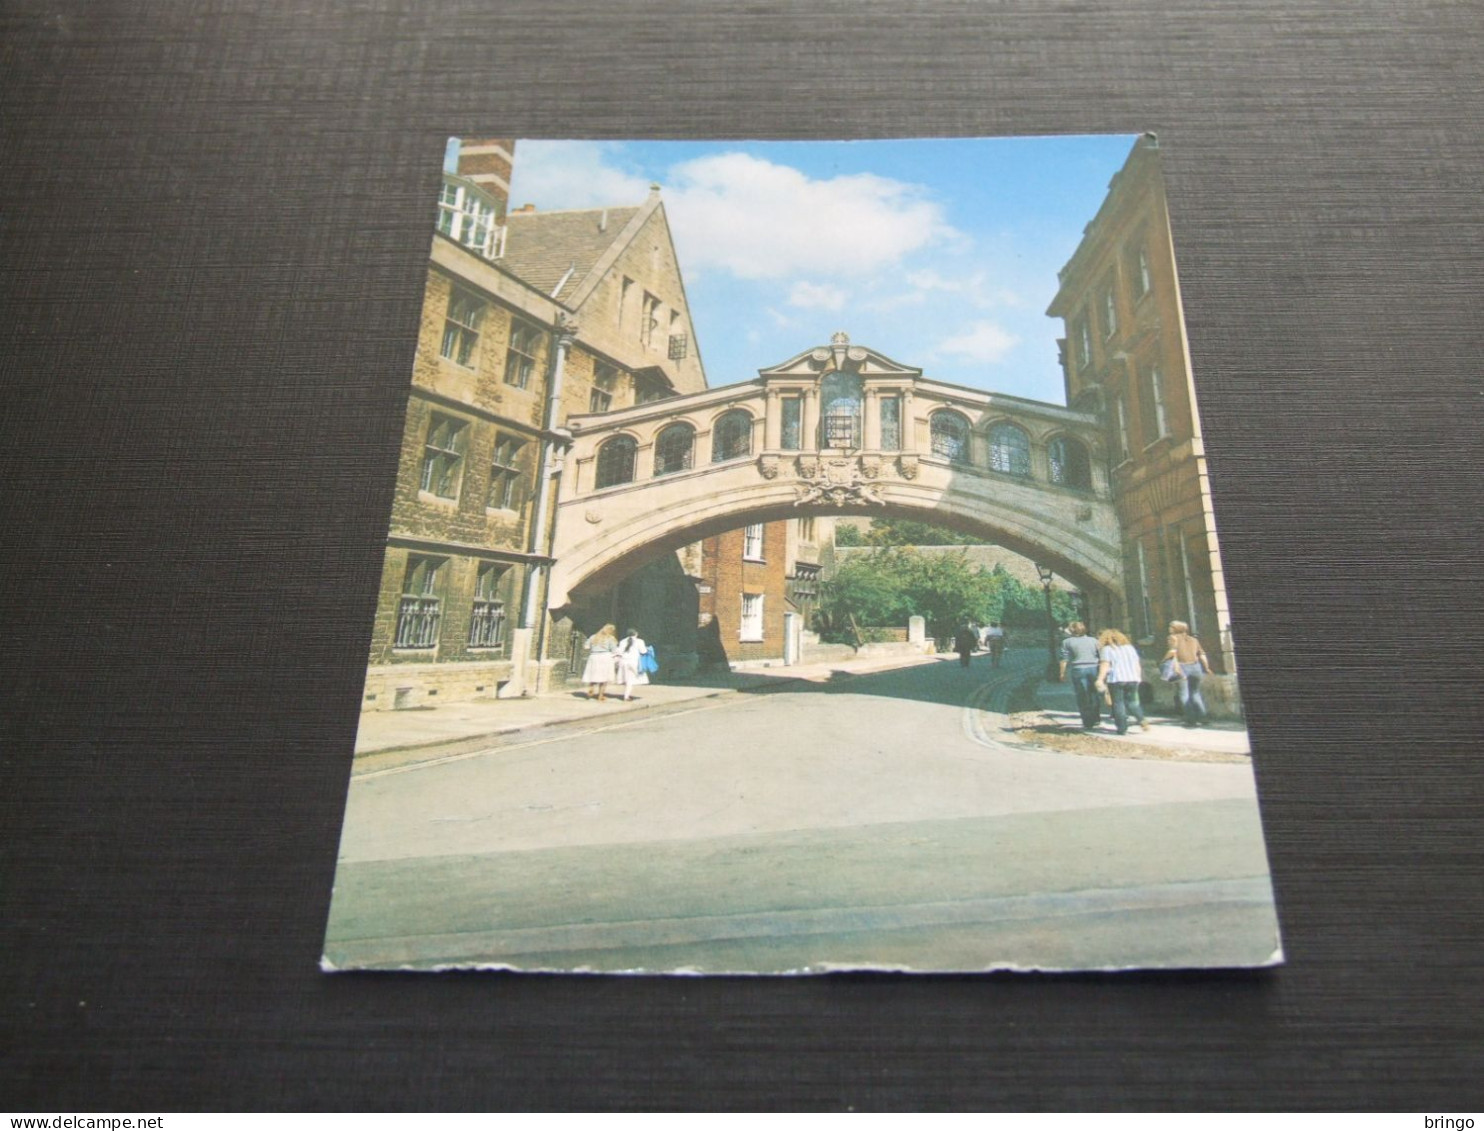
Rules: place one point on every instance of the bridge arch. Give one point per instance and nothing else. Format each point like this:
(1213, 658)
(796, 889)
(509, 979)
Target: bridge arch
(604, 533)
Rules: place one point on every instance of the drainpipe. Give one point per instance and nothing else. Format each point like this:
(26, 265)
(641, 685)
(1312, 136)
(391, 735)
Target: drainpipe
(546, 469)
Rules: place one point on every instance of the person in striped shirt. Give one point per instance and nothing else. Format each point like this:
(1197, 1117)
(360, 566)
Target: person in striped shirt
(1120, 671)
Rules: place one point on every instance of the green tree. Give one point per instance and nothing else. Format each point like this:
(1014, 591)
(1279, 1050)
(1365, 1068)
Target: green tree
(887, 587)
(849, 536)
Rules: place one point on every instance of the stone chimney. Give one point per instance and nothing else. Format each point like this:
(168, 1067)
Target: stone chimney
(487, 163)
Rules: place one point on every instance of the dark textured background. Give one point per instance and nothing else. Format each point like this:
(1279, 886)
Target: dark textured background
(215, 222)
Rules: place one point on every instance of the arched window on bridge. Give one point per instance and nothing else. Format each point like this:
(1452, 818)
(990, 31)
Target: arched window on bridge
(1009, 449)
(674, 449)
(731, 437)
(616, 462)
(1070, 466)
(840, 396)
(950, 433)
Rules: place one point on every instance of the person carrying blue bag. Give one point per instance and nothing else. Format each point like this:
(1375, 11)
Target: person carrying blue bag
(630, 668)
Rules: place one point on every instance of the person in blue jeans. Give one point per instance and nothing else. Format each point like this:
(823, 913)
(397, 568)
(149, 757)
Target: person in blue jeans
(1119, 674)
(1079, 659)
(1190, 657)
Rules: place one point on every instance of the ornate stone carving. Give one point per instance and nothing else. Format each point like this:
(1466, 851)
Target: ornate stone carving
(838, 482)
(593, 516)
(808, 466)
(871, 466)
(768, 465)
(907, 465)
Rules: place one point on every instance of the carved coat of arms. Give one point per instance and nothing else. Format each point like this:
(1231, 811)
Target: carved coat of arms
(839, 482)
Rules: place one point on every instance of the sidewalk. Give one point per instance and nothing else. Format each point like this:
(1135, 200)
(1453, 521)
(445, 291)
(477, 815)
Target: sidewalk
(1056, 716)
(385, 732)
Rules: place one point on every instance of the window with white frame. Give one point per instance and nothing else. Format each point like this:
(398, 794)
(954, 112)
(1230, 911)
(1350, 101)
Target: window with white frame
(752, 542)
(605, 381)
(1110, 311)
(1140, 272)
(1084, 342)
(467, 216)
(752, 618)
(487, 620)
(1156, 423)
(520, 356)
(1157, 387)
(1190, 614)
(1141, 580)
(505, 473)
(461, 327)
(443, 455)
(420, 608)
(1120, 420)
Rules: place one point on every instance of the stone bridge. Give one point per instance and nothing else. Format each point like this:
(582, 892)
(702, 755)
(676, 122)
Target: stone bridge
(836, 430)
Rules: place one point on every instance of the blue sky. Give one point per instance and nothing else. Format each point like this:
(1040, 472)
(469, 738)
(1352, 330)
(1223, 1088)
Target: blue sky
(941, 254)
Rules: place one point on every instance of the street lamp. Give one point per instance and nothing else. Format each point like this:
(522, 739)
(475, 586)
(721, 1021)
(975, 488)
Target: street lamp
(1052, 673)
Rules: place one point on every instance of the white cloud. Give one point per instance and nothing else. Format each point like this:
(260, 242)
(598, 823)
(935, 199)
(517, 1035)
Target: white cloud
(572, 174)
(744, 215)
(977, 288)
(760, 220)
(816, 296)
(983, 341)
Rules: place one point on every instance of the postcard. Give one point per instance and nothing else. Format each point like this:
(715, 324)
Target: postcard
(802, 559)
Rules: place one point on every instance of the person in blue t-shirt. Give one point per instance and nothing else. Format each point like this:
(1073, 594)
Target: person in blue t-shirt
(1079, 659)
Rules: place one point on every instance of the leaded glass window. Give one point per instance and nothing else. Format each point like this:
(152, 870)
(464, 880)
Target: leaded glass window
(616, 462)
(731, 438)
(1009, 449)
(950, 436)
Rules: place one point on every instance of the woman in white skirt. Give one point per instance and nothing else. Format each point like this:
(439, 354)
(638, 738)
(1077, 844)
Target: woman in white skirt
(598, 672)
(630, 674)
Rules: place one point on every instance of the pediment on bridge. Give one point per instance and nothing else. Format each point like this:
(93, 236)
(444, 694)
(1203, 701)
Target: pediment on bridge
(839, 355)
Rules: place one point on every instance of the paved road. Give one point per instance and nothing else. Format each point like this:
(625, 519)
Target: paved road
(872, 821)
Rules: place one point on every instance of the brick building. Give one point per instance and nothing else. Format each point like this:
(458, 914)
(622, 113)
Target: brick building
(754, 579)
(1125, 356)
(527, 318)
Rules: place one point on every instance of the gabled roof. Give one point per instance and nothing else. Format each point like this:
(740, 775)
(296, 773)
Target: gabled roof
(557, 252)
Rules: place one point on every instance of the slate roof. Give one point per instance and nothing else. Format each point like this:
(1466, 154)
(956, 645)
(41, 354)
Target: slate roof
(541, 246)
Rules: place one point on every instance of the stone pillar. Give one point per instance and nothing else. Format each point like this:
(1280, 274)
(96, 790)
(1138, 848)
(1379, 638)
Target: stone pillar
(773, 429)
(916, 631)
(909, 422)
(809, 441)
(522, 672)
(872, 410)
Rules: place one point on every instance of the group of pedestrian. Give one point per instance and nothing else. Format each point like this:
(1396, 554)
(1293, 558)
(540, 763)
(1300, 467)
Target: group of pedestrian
(970, 638)
(1110, 667)
(610, 660)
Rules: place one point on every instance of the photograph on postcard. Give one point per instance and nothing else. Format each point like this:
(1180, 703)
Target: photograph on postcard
(802, 558)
